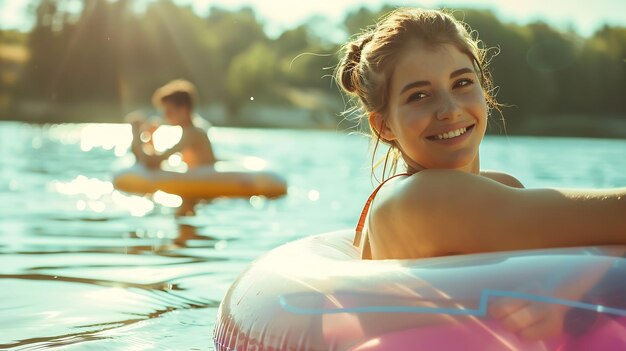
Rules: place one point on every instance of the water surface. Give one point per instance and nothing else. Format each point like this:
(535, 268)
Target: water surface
(84, 266)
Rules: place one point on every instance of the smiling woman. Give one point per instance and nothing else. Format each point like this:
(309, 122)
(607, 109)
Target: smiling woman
(425, 91)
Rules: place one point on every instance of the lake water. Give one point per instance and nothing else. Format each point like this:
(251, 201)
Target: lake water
(85, 267)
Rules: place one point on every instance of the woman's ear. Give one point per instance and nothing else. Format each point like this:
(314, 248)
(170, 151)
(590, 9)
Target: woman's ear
(378, 122)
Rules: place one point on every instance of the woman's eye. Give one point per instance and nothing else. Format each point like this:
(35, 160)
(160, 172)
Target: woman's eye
(463, 82)
(416, 96)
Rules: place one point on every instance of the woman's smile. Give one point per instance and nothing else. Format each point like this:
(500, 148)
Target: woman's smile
(452, 136)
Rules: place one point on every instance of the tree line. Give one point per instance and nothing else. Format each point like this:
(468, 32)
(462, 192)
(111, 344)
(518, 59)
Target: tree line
(107, 60)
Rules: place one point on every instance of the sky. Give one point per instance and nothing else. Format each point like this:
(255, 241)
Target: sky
(583, 15)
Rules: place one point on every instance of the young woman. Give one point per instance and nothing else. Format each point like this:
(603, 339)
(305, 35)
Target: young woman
(422, 84)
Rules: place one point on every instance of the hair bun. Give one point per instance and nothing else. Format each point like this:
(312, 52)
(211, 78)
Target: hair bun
(349, 75)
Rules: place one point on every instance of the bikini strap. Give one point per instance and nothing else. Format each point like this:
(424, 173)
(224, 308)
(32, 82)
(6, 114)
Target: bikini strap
(368, 203)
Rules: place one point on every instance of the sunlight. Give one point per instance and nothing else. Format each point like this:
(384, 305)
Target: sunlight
(370, 344)
(66, 134)
(587, 16)
(96, 206)
(254, 163)
(92, 188)
(258, 202)
(175, 163)
(165, 137)
(167, 200)
(314, 195)
(81, 205)
(175, 160)
(107, 136)
(170, 27)
(137, 206)
(299, 262)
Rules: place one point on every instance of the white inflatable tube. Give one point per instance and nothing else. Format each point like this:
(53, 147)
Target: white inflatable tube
(316, 294)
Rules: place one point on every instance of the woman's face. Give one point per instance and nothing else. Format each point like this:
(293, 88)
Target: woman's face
(437, 114)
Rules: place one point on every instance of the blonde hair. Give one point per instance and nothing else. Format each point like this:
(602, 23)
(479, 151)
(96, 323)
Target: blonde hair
(367, 65)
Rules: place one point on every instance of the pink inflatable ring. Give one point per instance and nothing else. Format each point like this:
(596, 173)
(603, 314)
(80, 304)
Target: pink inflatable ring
(316, 294)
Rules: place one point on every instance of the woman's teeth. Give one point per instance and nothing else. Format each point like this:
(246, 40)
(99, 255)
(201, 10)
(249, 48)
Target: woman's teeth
(451, 134)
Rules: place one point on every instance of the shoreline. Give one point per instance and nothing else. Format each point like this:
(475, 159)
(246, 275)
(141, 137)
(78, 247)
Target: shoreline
(289, 117)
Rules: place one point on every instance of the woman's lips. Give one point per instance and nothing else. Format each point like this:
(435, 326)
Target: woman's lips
(452, 136)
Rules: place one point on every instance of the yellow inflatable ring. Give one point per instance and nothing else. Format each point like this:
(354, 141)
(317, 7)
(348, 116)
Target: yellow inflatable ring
(201, 183)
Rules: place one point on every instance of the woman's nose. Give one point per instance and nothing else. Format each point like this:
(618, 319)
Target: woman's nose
(449, 108)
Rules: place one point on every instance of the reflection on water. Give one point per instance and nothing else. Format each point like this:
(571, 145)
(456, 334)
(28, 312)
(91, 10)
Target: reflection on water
(85, 266)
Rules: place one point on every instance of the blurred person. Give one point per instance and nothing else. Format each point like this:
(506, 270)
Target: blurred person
(176, 101)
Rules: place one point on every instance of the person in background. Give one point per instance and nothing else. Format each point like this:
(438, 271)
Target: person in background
(176, 101)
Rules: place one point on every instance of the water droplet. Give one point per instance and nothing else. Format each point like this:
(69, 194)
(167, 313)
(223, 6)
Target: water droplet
(81, 205)
(220, 245)
(314, 195)
(257, 202)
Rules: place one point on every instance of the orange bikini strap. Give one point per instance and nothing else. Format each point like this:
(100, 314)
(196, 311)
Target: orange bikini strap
(368, 203)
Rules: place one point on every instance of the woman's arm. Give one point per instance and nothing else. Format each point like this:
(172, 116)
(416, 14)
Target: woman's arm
(438, 212)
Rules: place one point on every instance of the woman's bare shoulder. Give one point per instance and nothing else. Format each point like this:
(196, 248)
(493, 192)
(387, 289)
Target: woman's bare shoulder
(503, 178)
(409, 205)
(431, 202)
(428, 187)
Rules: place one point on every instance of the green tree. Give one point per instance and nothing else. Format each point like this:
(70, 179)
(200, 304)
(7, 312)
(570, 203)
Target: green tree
(228, 34)
(250, 76)
(165, 43)
(304, 60)
(111, 55)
